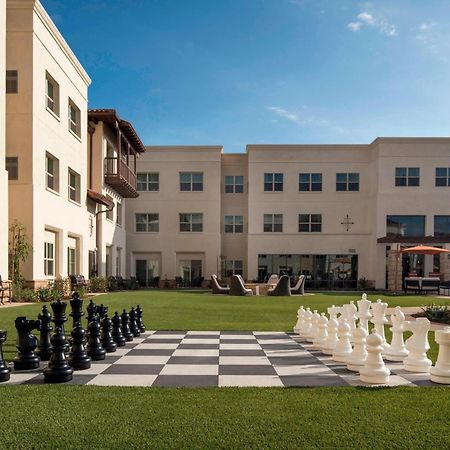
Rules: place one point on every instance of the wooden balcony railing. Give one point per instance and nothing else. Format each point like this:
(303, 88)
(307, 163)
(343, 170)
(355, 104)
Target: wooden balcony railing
(120, 177)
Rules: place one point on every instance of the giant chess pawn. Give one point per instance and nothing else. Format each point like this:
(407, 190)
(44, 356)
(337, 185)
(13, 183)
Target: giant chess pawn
(76, 304)
(107, 340)
(343, 347)
(322, 332)
(440, 373)
(397, 350)
(44, 349)
(304, 333)
(78, 357)
(139, 319)
(332, 338)
(379, 319)
(60, 318)
(358, 357)
(58, 369)
(117, 331)
(127, 334)
(91, 310)
(102, 311)
(374, 370)
(5, 371)
(418, 346)
(350, 311)
(94, 346)
(363, 313)
(314, 322)
(300, 320)
(26, 344)
(133, 324)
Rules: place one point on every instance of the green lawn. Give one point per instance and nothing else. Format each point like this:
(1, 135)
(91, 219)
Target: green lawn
(108, 417)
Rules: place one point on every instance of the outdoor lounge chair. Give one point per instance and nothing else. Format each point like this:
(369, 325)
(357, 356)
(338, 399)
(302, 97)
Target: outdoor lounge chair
(282, 288)
(273, 279)
(217, 288)
(430, 285)
(299, 288)
(411, 284)
(237, 286)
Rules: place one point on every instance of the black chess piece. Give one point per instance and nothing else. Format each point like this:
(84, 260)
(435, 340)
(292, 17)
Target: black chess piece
(44, 349)
(5, 371)
(127, 334)
(77, 308)
(91, 310)
(139, 321)
(116, 330)
(60, 318)
(78, 357)
(101, 311)
(94, 346)
(133, 324)
(58, 369)
(26, 344)
(107, 340)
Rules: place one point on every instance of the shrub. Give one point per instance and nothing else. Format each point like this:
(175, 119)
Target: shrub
(98, 284)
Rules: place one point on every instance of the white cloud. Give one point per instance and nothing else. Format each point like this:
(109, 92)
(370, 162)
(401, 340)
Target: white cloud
(300, 117)
(434, 40)
(367, 19)
(354, 26)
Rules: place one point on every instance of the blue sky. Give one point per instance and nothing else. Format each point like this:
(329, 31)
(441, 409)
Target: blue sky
(237, 72)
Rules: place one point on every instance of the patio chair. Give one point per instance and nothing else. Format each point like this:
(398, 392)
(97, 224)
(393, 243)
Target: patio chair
(237, 286)
(217, 288)
(299, 288)
(282, 288)
(411, 284)
(273, 279)
(430, 285)
(445, 287)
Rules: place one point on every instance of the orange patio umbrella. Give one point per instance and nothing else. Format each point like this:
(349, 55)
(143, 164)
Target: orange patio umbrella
(424, 250)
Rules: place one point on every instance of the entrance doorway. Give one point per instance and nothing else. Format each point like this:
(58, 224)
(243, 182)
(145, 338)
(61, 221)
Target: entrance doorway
(147, 272)
(190, 271)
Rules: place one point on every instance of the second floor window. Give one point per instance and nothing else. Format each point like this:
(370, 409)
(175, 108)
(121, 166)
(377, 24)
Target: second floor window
(405, 226)
(74, 186)
(442, 176)
(119, 214)
(273, 223)
(12, 166)
(310, 182)
(52, 172)
(234, 224)
(74, 118)
(273, 182)
(12, 82)
(407, 176)
(147, 222)
(234, 184)
(148, 182)
(52, 94)
(191, 222)
(191, 181)
(442, 225)
(347, 182)
(310, 223)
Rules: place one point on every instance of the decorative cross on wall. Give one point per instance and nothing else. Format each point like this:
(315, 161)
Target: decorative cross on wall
(347, 222)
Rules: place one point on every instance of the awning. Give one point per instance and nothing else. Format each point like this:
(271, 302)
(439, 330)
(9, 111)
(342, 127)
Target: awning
(100, 198)
(424, 250)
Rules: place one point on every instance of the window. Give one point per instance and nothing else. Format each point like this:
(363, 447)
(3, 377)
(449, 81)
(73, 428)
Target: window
(191, 222)
(49, 259)
(405, 226)
(52, 172)
(234, 267)
(191, 181)
(74, 186)
(74, 118)
(110, 212)
(273, 223)
(442, 225)
(72, 256)
(118, 262)
(119, 214)
(12, 82)
(234, 224)
(52, 94)
(12, 166)
(407, 176)
(147, 222)
(310, 223)
(273, 182)
(234, 184)
(347, 182)
(309, 182)
(442, 176)
(148, 182)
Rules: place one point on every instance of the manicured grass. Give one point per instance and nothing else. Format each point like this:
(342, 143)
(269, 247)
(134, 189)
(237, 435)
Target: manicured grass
(118, 418)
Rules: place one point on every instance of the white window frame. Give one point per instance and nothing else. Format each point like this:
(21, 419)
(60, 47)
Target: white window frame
(148, 184)
(51, 103)
(74, 124)
(54, 174)
(49, 259)
(273, 221)
(234, 224)
(148, 221)
(232, 186)
(75, 190)
(191, 222)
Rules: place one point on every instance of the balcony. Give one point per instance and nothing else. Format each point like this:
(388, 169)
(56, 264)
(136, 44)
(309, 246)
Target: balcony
(120, 177)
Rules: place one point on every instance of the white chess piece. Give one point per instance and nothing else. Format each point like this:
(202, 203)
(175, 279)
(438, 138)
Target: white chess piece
(358, 357)
(333, 311)
(343, 347)
(349, 311)
(379, 319)
(363, 313)
(300, 320)
(306, 323)
(332, 338)
(374, 370)
(313, 332)
(397, 350)
(440, 373)
(322, 332)
(418, 346)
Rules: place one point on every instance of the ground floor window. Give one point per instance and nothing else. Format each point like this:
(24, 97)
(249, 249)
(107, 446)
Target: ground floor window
(108, 261)
(234, 267)
(72, 257)
(49, 253)
(147, 271)
(92, 264)
(118, 262)
(190, 273)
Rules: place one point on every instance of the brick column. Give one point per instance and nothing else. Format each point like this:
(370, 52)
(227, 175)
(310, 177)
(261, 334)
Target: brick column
(394, 269)
(445, 266)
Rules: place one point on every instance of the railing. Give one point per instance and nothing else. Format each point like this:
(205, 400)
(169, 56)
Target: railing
(117, 172)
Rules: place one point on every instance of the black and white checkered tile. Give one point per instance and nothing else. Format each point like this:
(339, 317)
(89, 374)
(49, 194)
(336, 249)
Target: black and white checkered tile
(214, 358)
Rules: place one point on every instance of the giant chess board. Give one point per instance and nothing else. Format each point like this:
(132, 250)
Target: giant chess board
(214, 358)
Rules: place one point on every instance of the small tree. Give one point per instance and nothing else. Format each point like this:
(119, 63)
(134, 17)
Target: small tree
(19, 249)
